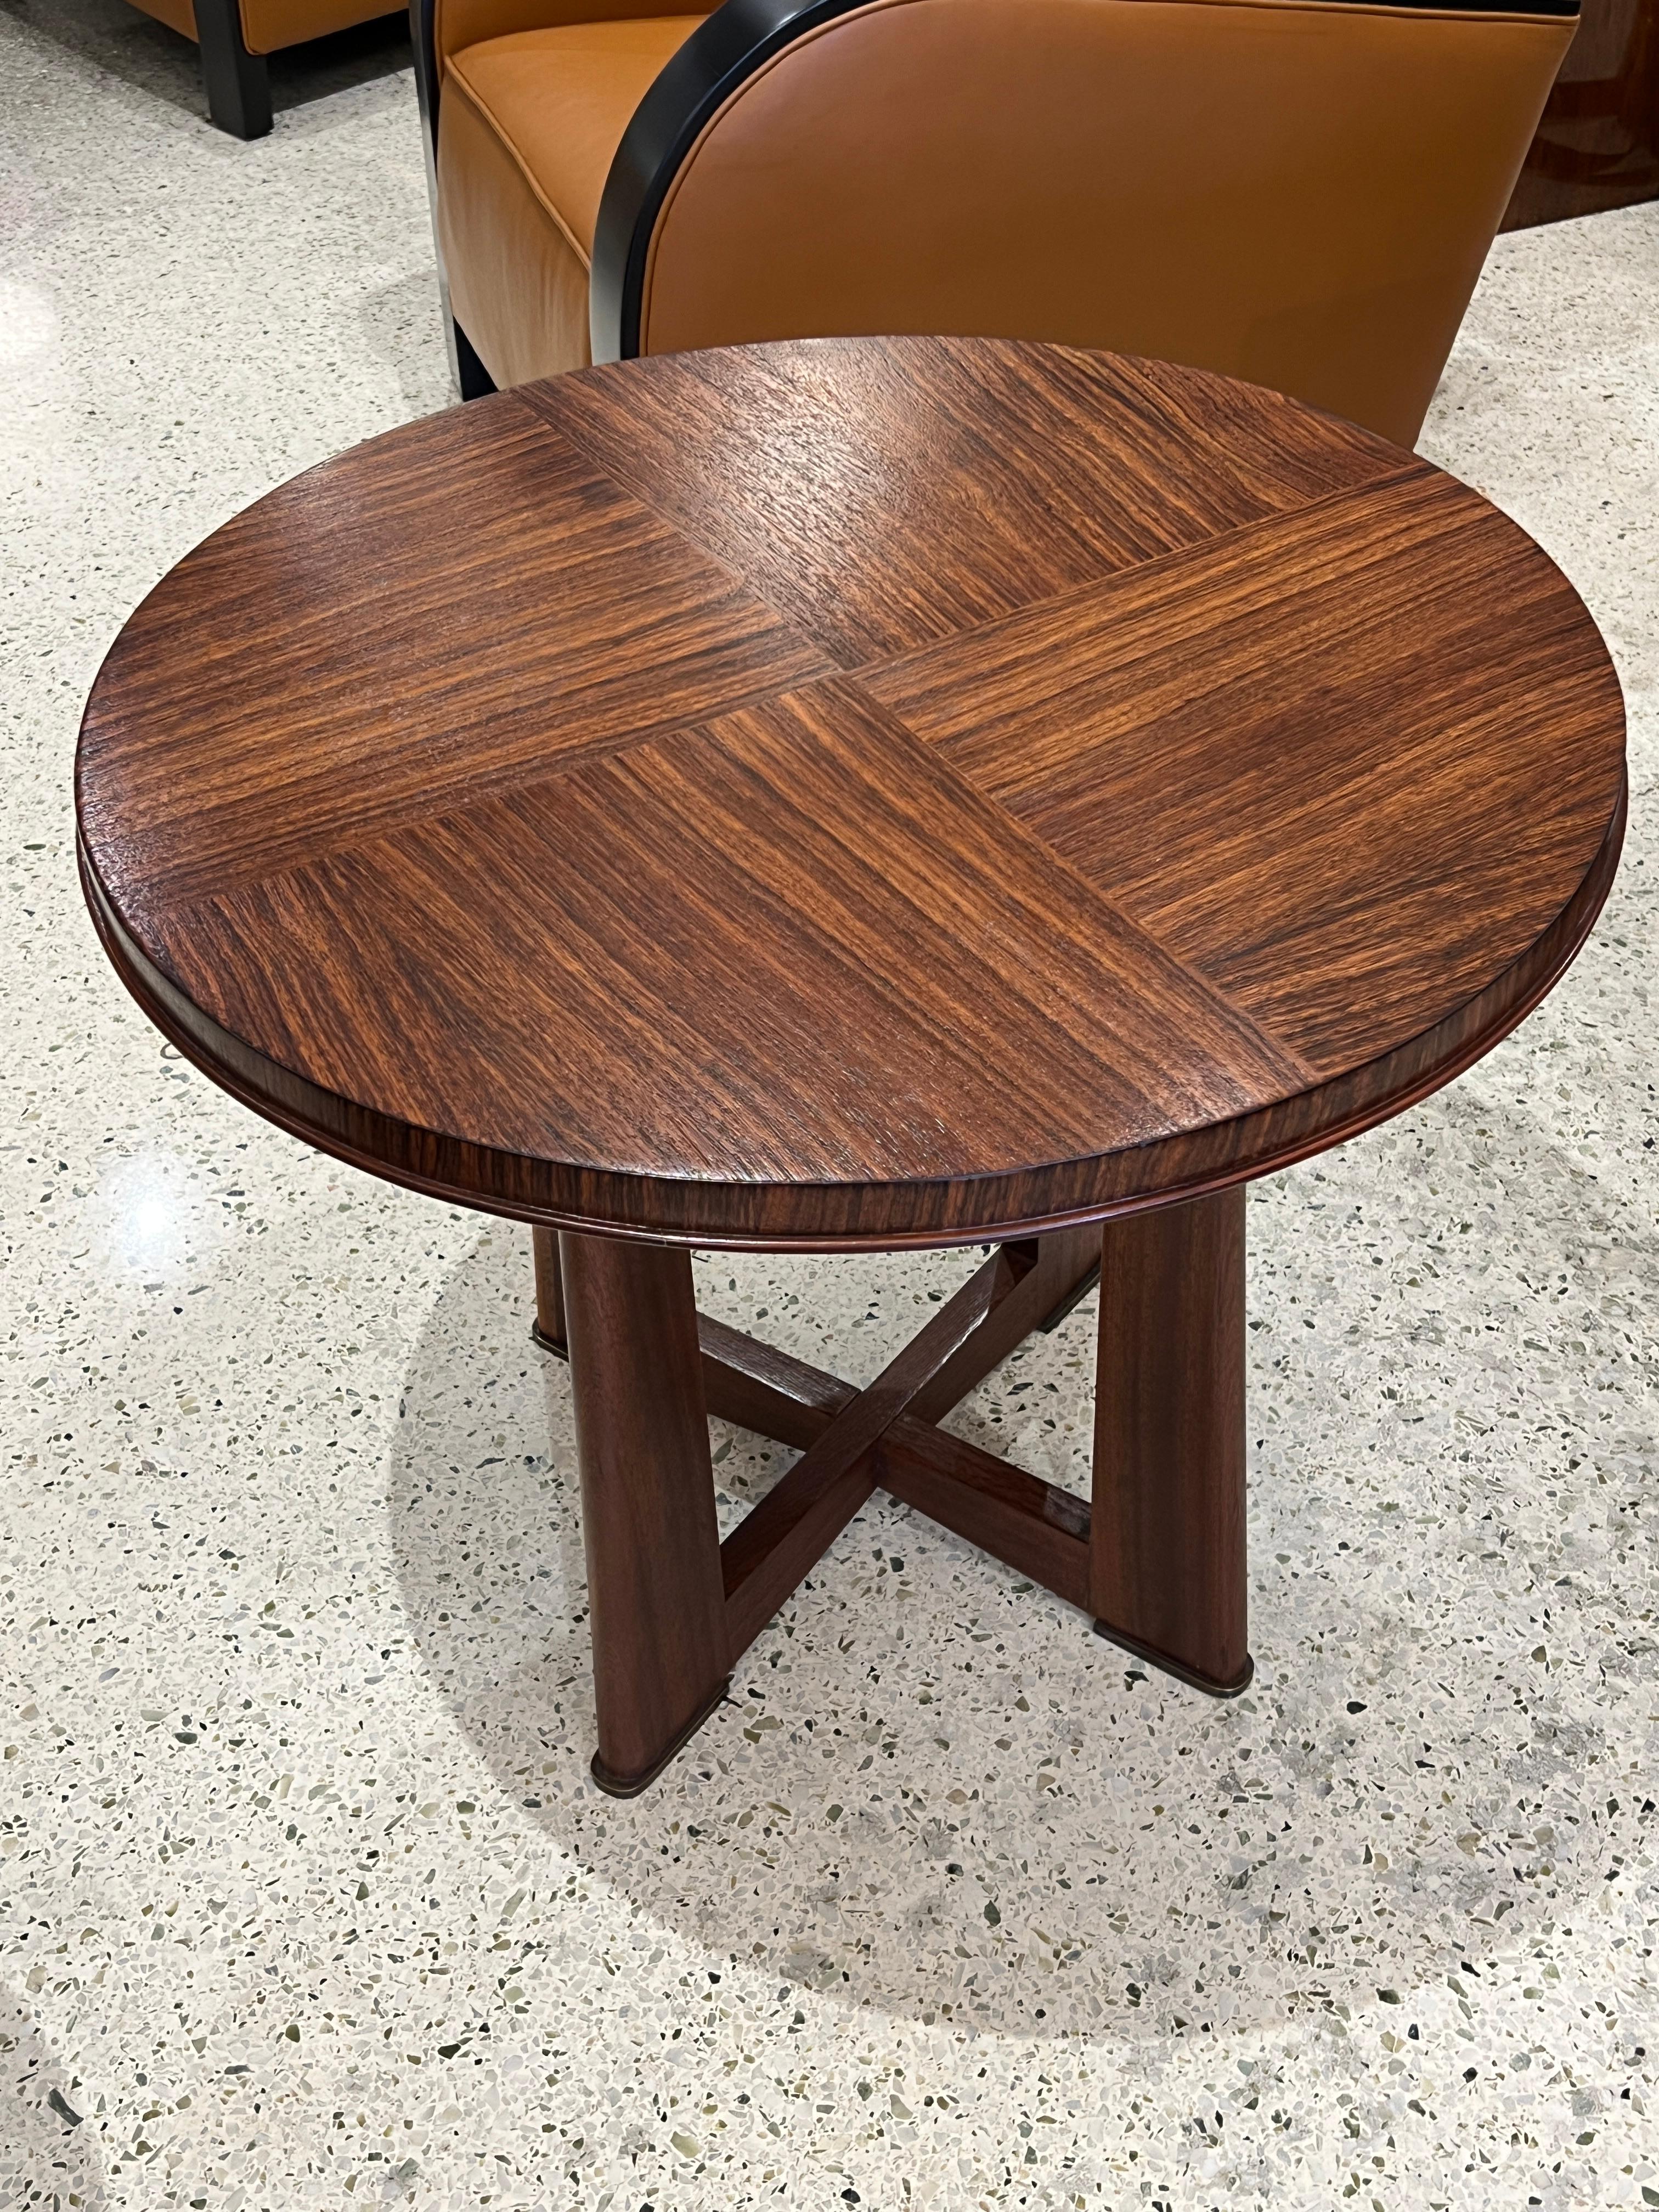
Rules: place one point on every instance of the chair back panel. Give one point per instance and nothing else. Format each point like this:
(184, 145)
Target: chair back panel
(1300, 192)
(456, 24)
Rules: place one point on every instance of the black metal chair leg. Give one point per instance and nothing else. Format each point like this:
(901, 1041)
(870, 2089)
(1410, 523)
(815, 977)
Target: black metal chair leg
(237, 82)
(474, 378)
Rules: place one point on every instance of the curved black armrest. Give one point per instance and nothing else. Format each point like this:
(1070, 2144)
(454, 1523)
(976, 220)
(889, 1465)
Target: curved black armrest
(737, 40)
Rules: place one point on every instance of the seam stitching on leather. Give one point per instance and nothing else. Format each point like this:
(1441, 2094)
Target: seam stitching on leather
(487, 114)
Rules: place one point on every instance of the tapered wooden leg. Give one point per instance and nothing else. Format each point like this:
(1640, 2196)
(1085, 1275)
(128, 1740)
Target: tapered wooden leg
(1167, 1547)
(550, 1292)
(656, 1594)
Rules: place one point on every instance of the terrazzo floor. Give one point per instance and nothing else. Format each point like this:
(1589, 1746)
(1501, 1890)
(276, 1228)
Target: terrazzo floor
(305, 1898)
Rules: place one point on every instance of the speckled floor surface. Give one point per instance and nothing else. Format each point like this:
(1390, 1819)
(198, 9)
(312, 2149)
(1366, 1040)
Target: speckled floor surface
(305, 1899)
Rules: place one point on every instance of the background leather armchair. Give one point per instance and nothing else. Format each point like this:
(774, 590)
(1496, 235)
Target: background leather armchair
(236, 35)
(1300, 192)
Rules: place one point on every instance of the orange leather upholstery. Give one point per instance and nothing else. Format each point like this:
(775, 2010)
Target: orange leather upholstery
(176, 15)
(527, 129)
(1300, 192)
(457, 24)
(268, 25)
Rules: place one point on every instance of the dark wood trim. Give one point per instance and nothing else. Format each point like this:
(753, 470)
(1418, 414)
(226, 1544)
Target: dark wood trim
(1031, 1525)
(1168, 1574)
(640, 1461)
(656, 1603)
(784, 1537)
(768, 1391)
(738, 1217)
(1596, 146)
(549, 1328)
(730, 47)
(761, 1389)
(237, 82)
(789, 1531)
(644, 1385)
(1040, 1280)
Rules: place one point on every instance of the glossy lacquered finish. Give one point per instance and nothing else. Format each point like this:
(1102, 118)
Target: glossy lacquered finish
(870, 792)
(1597, 145)
(671, 1612)
(1167, 1545)
(656, 1605)
(722, 54)
(852, 793)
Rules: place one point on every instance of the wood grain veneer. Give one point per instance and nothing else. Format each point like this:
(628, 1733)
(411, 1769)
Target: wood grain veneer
(1167, 1559)
(656, 1606)
(855, 793)
(869, 793)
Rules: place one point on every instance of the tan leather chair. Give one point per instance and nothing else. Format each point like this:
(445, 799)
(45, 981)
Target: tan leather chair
(1300, 192)
(236, 35)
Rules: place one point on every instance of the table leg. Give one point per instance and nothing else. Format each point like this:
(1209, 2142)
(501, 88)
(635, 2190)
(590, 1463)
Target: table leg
(548, 1331)
(1167, 1547)
(656, 1596)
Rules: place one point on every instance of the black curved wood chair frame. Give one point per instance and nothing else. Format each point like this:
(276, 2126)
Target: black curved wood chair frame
(735, 42)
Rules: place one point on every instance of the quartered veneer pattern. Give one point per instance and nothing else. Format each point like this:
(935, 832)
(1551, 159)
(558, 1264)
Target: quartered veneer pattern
(870, 793)
(859, 791)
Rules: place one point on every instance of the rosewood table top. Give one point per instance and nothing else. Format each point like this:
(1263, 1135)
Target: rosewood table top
(864, 792)
(861, 792)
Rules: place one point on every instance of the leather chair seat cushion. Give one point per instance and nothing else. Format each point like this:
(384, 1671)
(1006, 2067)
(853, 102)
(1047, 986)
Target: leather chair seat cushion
(527, 128)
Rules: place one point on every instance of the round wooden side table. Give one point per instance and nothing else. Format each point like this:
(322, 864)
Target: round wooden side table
(854, 795)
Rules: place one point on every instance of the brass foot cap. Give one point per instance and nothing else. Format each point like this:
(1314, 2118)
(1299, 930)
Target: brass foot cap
(1166, 1665)
(629, 1785)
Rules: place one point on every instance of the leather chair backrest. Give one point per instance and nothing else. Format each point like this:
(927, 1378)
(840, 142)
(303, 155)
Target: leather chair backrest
(1300, 192)
(454, 25)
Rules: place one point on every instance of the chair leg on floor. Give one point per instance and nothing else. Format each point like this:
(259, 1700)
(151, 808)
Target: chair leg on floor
(472, 378)
(237, 82)
(655, 1587)
(1168, 1576)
